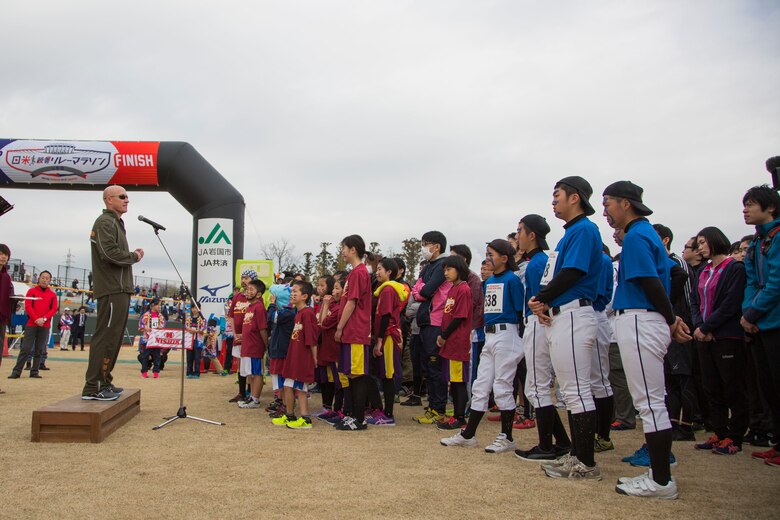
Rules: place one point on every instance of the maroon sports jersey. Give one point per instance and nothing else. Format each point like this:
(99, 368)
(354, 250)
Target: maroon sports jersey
(254, 321)
(237, 309)
(388, 303)
(299, 363)
(457, 305)
(357, 287)
(329, 349)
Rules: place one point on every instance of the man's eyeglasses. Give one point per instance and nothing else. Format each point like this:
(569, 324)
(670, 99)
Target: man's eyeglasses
(122, 196)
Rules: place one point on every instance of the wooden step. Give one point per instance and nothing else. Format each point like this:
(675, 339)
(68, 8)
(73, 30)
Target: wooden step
(76, 420)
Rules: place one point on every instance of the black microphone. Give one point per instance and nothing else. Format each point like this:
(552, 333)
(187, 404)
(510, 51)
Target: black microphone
(152, 223)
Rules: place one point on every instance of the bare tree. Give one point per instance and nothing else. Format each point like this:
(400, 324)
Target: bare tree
(281, 252)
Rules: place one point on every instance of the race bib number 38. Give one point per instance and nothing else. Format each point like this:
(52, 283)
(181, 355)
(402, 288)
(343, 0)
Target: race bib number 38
(549, 269)
(494, 298)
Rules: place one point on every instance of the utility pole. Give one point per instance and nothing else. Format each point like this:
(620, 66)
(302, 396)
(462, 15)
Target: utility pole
(68, 264)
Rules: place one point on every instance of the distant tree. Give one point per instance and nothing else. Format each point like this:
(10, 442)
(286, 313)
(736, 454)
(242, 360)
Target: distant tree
(410, 252)
(308, 265)
(373, 247)
(324, 260)
(282, 253)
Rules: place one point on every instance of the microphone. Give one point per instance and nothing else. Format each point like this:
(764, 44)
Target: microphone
(152, 223)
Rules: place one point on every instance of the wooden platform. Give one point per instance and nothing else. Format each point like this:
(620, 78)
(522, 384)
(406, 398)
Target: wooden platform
(76, 420)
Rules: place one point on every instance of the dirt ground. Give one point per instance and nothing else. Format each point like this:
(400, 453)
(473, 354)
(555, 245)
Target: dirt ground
(250, 468)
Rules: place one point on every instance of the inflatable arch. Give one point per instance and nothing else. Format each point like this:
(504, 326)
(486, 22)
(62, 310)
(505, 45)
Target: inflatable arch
(217, 208)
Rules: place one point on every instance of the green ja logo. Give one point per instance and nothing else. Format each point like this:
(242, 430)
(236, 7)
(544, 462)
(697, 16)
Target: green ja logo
(217, 232)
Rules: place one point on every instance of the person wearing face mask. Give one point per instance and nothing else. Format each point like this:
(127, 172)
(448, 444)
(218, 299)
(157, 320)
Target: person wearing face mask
(431, 291)
(40, 308)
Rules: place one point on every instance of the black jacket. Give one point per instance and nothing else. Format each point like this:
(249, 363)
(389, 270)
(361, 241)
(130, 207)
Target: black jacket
(723, 321)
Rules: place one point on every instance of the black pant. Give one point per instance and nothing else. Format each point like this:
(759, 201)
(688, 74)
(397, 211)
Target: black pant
(228, 366)
(723, 377)
(33, 344)
(418, 355)
(760, 414)
(155, 355)
(193, 361)
(76, 336)
(767, 354)
(437, 387)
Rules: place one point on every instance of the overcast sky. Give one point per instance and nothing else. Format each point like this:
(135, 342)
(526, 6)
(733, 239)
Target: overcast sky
(391, 118)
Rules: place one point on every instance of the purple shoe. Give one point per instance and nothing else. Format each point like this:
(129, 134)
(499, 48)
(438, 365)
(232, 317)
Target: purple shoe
(378, 418)
(325, 415)
(335, 419)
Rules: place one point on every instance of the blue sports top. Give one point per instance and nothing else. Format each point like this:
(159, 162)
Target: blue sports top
(533, 276)
(580, 248)
(643, 256)
(605, 284)
(504, 299)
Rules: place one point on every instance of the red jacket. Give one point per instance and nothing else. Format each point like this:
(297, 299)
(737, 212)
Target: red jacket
(46, 307)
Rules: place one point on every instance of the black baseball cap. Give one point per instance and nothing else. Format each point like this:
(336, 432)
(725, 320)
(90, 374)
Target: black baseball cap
(537, 224)
(631, 192)
(503, 247)
(583, 188)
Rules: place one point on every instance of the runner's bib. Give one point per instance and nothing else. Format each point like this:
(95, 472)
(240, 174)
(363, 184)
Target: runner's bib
(549, 269)
(494, 298)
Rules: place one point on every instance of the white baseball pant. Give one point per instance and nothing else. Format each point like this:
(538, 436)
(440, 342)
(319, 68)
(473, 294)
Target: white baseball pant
(599, 377)
(497, 366)
(572, 340)
(643, 338)
(538, 379)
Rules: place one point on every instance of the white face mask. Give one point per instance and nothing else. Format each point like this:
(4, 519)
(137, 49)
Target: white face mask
(370, 269)
(426, 252)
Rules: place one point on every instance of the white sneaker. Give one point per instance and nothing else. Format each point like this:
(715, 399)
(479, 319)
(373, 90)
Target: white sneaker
(501, 444)
(459, 440)
(249, 404)
(577, 471)
(563, 468)
(644, 486)
(566, 459)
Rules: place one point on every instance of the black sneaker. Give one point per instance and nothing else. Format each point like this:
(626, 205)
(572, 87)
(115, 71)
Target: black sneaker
(43, 368)
(350, 424)
(683, 435)
(413, 400)
(760, 439)
(36, 376)
(536, 454)
(101, 395)
(13, 376)
(560, 451)
(115, 389)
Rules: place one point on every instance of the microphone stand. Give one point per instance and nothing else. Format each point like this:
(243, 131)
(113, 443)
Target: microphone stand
(182, 412)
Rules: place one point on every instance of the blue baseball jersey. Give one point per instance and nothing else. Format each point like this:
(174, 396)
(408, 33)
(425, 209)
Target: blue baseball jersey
(643, 256)
(580, 248)
(533, 277)
(504, 299)
(606, 285)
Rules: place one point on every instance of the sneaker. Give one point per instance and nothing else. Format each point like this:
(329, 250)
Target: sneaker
(764, 455)
(350, 424)
(249, 404)
(459, 440)
(414, 400)
(335, 419)
(144, 375)
(156, 375)
(523, 424)
(643, 460)
(560, 461)
(451, 424)
(761, 439)
(645, 486)
(641, 452)
(501, 444)
(560, 451)
(618, 426)
(224, 373)
(101, 395)
(13, 376)
(279, 421)
(236, 398)
(600, 445)
(326, 414)
(773, 461)
(281, 412)
(380, 419)
(726, 447)
(575, 471)
(299, 424)
(536, 454)
(698, 427)
(43, 368)
(429, 417)
(273, 406)
(560, 467)
(36, 376)
(708, 444)
(683, 435)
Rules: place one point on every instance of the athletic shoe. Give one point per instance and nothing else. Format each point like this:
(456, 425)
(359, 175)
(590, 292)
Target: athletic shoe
(13, 376)
(536, 454)
(236, 398)
(299, 424)
(429, 417)
(560, 451)
(36, 376)
(501, 444)
(774, 461)
(644, 486)
(325, 415)
(618, 426)
(156, 375)
(708, 444)
(764, 455)
(683, 435)
(43, 368)
(272, 407)
(600, 444)
(577, 471)
(414, 400)
(643, 460)
(459, 440)
(144, 375)
(564, 459)
(101, 395)
(698, 427)
(380, 419)
(451, 423)
(350, 424)
(280, 421)
(449, 412)
(281, 412)
(560, 467)
(761, 439)
(641, 452)
(335, 419)
(249, 404)
(726, 447)
(523, 424)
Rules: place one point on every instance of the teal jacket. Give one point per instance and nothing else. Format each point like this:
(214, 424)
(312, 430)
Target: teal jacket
(761, 305)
